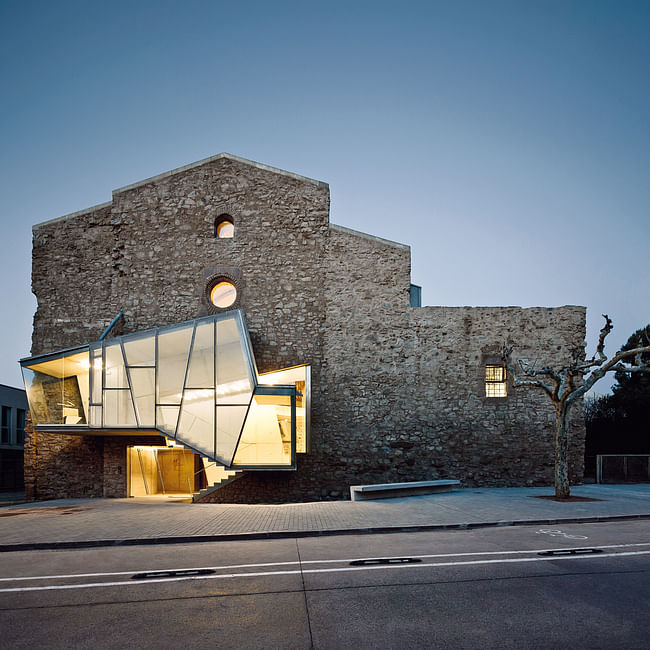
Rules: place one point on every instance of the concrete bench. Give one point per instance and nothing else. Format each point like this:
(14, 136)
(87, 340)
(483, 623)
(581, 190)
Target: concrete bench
(389, 490)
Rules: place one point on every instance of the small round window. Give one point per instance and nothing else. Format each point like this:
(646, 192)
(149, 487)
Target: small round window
(224, 227)
(223, 294)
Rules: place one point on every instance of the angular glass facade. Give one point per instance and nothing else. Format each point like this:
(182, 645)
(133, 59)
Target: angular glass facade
(195, 382)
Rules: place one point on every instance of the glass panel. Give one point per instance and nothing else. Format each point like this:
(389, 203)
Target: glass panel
(76, 388)
(115, 372)
(96, 365)
(234, 376)
(142, 387)
(37, 406)
(118, 409)
(300, 376)
(166, 419)
(173, 350)
(140, 351)
(201, 370)
(229, 423)
(266, 439)
(196, 423)
(57, 389)
(95, 416)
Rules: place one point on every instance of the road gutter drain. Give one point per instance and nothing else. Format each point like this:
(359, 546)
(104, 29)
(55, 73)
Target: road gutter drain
(188, 573)
(572, 551)
(385, 560)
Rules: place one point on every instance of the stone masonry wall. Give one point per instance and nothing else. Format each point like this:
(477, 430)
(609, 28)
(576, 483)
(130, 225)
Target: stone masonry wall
(405, 387)
(397, 392)
(62, 467)
(149, 254)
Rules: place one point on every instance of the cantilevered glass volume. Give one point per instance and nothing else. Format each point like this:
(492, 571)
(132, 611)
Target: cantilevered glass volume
(195, 382)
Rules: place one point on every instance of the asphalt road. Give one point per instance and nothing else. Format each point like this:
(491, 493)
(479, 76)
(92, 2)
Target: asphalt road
(488, 588)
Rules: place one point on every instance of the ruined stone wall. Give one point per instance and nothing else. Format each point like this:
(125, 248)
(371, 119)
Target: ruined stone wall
(150, 252)
(62, 467)
(72, 279)
(405, 386)
(397, 392)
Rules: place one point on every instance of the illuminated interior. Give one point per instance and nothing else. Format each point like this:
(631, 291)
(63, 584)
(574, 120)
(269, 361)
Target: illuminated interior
(300, 376)
(161, 470)
(495, 381)
(223, 294)
(195, 382)
(58, 389)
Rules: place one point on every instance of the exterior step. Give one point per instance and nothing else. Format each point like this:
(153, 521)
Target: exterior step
(233, 476)
(216, 474)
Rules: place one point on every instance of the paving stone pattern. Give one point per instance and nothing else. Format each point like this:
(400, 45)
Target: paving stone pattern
(119, 519)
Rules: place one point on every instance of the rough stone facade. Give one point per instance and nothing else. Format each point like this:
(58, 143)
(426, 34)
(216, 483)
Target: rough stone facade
(397, 391)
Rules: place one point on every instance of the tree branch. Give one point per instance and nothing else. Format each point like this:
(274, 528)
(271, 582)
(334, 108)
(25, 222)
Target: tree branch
(524, 382)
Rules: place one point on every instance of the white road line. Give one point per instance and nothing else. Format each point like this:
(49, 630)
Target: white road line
(333, 570)
(304, 562)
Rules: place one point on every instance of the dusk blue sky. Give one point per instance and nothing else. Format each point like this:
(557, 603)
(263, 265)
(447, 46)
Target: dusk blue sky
(506, 142)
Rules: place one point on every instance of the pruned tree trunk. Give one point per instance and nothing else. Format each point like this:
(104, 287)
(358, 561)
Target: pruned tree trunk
(564, 386)
(562, 489)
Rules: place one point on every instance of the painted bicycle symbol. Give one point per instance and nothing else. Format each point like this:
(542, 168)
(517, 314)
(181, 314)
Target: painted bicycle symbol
(559, 533)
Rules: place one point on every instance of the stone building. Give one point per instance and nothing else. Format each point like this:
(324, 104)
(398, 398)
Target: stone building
(176, 300)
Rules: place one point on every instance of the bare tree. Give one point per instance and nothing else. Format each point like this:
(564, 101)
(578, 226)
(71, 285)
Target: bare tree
(566, 385)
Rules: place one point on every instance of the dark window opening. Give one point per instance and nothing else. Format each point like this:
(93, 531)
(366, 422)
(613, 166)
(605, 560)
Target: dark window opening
(20, 426)
(5, 429)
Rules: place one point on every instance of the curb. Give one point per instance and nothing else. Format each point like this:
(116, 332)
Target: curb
(292, 534)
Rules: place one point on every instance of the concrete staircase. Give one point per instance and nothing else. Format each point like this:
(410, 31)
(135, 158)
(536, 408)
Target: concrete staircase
(217, 476)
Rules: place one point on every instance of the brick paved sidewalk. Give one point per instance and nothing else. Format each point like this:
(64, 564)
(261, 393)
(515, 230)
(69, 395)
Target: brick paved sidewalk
(114, 521)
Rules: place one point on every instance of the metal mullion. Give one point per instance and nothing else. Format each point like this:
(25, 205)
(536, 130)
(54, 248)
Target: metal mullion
(103, 383)
(187, 369)
(216, 387)
(155, 380)
(128, 381)
(91, 381)
(293, 427)
(247, 345)
(241, 430)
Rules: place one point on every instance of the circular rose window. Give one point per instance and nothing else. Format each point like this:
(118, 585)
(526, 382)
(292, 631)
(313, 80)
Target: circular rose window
(223, 294)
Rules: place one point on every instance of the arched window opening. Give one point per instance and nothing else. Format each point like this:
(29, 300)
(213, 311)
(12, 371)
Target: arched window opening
(224, 227)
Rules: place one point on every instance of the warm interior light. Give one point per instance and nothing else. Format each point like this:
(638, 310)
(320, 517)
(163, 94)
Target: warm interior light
(223, 294)
(495, 381)
(225, 230)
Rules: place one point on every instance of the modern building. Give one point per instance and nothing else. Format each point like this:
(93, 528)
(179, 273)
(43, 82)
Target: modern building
(13, 406)
(210, 329)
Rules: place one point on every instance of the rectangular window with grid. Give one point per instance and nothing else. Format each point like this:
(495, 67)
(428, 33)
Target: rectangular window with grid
(495, 381)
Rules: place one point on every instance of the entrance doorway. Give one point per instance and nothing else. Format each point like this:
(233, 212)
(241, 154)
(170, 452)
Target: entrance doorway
(162, 471)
